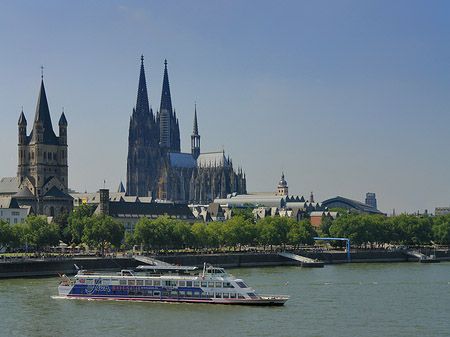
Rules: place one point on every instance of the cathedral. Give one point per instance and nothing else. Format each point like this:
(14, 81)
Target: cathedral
(42, 171)
(157, 168)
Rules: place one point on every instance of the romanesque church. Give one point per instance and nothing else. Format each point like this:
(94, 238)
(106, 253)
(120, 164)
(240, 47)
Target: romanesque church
(42, 170)
(156, 167)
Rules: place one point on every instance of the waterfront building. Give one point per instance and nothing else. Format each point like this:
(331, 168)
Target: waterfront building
(156, 167)
(42, 170)
(11, 212)
(129, 209)
(350, 205)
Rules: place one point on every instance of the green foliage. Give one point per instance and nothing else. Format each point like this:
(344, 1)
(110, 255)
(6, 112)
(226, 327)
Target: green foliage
(101, 230)
(39, 233)
(301, 232)
(244, 212)
(441, 230)
(325, 225)
(6, 234)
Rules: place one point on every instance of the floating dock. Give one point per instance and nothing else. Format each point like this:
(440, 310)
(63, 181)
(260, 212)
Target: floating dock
(305, 261)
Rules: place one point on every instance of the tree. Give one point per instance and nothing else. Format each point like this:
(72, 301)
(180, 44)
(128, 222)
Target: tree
(199, 234)
(325, 225)
(6, 234)
(182, 235)
(39, 233)
(102, 230)
(301, 232)
(441, 229)
(77, 221)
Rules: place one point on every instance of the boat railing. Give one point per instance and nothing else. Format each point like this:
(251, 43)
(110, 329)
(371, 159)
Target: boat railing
(271, 296)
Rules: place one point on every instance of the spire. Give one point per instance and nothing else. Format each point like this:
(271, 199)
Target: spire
(142, 105)
(166, 100)
(43, 115)
(195, 129)
(62, 119)
(22, 119)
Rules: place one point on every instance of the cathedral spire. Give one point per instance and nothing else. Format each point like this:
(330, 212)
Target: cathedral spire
(166, 100)
(142, 105)
(195, 128)
(195, 137)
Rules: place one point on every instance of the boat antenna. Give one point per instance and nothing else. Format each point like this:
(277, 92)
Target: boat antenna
(204, 270)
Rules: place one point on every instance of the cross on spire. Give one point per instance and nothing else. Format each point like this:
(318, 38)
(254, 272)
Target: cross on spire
(42, 72)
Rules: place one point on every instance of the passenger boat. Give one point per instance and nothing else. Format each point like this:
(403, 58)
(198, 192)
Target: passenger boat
(167, 284)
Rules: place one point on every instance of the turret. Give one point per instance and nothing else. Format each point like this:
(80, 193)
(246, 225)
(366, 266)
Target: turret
(62, 129)
(22, 124)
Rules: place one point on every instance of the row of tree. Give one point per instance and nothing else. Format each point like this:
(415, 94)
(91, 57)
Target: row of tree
(363, 229)
(100, 231)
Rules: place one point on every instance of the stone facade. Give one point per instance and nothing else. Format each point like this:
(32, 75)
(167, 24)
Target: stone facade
(155, 165)
(42, 170)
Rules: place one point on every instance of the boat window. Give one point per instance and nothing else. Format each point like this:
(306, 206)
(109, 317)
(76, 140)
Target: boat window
(204, 294)
(182, 284)
(232, 295)
(182, 293)
(139, 293)
(139, 282)
(89, 281)
(114, 282)
(131, 292)
(174, 293)
(156, 282)
(204, 284)
(188, 293)
(148, 282)
(242, 284)
(227, 285)
(218, 284)
(218, 295)
(156, 294)
(188, 283)
(196, 294)
(196, 284)
(210, 295)
(210, 284)
(165, 294)
(123, 282)
(226, 295)
(131, 282)
(171, 283)
(240, 296)
(252, 296)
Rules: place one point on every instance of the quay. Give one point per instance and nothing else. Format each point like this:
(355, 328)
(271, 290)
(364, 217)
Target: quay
(12, 268)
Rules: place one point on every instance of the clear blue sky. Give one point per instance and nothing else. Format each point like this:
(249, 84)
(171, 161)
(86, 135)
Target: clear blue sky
(346, 97)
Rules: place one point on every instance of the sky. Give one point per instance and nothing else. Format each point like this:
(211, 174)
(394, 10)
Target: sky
(345, 97)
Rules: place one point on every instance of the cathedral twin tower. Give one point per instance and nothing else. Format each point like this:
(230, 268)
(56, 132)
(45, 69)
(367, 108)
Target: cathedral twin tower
(157, 168)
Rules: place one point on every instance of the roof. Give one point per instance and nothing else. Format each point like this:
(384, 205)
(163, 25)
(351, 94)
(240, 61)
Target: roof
(185, 160)
(43, 115)
(9, 185)
(263, 200)
(55, 192)
(24, 193)
(350, 204)
(8, 203)
(212, 159)
(138, 209)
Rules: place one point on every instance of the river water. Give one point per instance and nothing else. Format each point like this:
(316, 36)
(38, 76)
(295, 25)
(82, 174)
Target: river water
(392, 299)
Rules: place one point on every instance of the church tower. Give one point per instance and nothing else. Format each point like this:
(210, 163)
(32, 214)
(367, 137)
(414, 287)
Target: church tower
(282, 186)
(143, 148)
(169, 130)
(42, 170)
(195, 137)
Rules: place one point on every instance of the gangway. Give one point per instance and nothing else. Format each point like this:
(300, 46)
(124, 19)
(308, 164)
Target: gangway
(422, 257)
(305, 261)
(151, 261)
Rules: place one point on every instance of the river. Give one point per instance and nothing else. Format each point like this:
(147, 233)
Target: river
(391, 299)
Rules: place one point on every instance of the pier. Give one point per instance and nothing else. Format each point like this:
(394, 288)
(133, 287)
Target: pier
(305, 261)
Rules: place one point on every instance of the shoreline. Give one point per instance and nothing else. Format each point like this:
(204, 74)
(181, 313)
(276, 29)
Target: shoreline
(24, 268)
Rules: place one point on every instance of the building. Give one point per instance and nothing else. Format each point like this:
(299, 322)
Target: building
(442, 210)
(11, 212)
(348, 204)
(42, 170)
(155, 165)
(130, 212)
(371, 200)
(282, 186)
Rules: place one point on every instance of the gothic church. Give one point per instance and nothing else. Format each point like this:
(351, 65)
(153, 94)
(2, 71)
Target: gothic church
(156, 167)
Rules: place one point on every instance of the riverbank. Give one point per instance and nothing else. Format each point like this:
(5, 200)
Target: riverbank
(52, 266)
